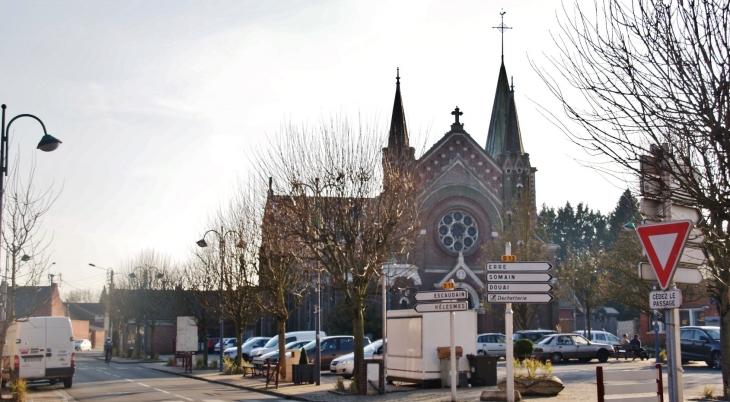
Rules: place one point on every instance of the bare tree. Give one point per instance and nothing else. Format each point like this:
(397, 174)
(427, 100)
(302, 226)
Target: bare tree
(195, 296)
(348, 211)
(650, 73)
(25, 243)
(83, 296)
(284, 272)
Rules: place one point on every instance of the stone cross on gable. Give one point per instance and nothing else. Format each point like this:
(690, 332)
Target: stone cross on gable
(456, 113)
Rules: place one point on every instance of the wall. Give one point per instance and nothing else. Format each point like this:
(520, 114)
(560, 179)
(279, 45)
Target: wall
(80, 329)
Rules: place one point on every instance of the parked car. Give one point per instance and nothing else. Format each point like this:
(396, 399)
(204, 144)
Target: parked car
(344, 364)
(532, 334)
(491, 345)
(332, 347)
(211, 344)
(255, 342)
(701, 343)
(273, 342)
(227, 343)
(562, 347)
(600, 337)
(274, 354)
(82, 344)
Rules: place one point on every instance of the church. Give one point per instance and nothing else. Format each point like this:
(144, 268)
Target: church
(467, 191)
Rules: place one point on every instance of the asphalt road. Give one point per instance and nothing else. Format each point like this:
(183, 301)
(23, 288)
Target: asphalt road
(97, 381)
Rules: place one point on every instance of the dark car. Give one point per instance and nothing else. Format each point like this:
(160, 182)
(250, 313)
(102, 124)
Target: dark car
(332, 347)
(701, 343)
(532, 334)
(211, 344)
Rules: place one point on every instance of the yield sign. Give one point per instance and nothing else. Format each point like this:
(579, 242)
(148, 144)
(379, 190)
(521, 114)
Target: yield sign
(664, 244)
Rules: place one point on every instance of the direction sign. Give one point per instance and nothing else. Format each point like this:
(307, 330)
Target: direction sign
(519, 298)
(691, 255)
(690, 276)
(440, 295)
(524, 266)
(519, 287)
(665, 299)
(518, 277)
(441, 307)
(663, 244)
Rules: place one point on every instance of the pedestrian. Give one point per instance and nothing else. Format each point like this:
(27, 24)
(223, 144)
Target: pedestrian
(624, 343)
(636, 343)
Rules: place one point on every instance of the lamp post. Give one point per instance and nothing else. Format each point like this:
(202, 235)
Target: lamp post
(108, 318)
(222, 245)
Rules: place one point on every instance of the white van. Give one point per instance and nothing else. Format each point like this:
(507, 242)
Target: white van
(40, 348)
(273, 343)
(601, 337)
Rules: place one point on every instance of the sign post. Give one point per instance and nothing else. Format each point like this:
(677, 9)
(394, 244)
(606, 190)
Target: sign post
(449, 300)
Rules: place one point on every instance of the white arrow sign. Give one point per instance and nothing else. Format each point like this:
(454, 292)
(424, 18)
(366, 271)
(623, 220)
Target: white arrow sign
(510, 277)
(441, 307)
(524, 266)
(519, 287)
(692, 255)
(440, 295)
(690, 276)
(519, 298)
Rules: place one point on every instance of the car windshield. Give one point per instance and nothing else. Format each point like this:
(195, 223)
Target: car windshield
(545, 339)
(373, 346)
(311, 345)
(250, 342)
(713, 333)
(272, 342)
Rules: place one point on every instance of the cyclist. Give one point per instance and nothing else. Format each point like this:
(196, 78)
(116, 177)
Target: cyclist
(108, 350)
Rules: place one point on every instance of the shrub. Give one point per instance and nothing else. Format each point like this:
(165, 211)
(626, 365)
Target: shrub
(303, 358)
(523, 348)
(663, 355)
(230, 366)
(339, 385)
(170, 361)
(200, 363)
(19, 389)
(213, 364)
(531, 367)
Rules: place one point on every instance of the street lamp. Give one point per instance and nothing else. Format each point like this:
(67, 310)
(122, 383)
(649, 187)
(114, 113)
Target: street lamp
(222, 244)
(48, 143)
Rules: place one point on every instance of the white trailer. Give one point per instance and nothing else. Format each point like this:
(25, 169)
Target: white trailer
(413, 338)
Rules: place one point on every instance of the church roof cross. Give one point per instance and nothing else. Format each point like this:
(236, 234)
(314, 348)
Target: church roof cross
(501, 27)
(456, 113)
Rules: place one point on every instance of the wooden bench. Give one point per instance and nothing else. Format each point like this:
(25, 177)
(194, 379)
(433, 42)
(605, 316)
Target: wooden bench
(248, 369)
(624, 350)
(627, 382)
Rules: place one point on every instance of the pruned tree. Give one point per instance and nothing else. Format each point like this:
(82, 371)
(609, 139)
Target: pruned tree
(348, 211)
(25, 243)
(284, 270)
(654, 76)
(142, 286)
(230, 267)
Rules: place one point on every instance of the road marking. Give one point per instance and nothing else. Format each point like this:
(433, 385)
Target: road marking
(116, 376)
(144, 385)
(213, 400)
(129, 380)
(179, 396)
(161, 390)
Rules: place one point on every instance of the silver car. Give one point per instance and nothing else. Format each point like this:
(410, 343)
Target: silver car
(343, 365)
(562, 347)
(491, 345)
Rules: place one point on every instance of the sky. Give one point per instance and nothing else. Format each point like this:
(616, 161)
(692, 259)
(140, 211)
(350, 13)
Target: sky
(159, 103)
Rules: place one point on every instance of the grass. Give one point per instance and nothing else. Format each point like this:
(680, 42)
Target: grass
(530, 367)
(19, 389)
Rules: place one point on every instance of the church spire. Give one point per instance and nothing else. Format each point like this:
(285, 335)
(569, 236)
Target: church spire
(504, 128)
(398, 138)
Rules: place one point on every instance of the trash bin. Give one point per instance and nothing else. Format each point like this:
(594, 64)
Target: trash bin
(462, 381)
(129, 352)
(483, 370)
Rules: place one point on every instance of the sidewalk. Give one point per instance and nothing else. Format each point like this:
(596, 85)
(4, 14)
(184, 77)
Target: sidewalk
(575, 391)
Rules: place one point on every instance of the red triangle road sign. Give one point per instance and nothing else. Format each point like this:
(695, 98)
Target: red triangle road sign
(664, 244)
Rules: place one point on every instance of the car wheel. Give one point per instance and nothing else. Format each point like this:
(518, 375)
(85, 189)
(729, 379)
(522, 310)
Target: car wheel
(68, 382)
(556, 358)
(715, 360)
(602, 355)
(348, 376)
(584, 359)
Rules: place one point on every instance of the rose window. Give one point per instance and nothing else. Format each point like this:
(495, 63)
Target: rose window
(458, 231)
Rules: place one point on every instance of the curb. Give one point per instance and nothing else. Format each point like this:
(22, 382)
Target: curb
(267, 392)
